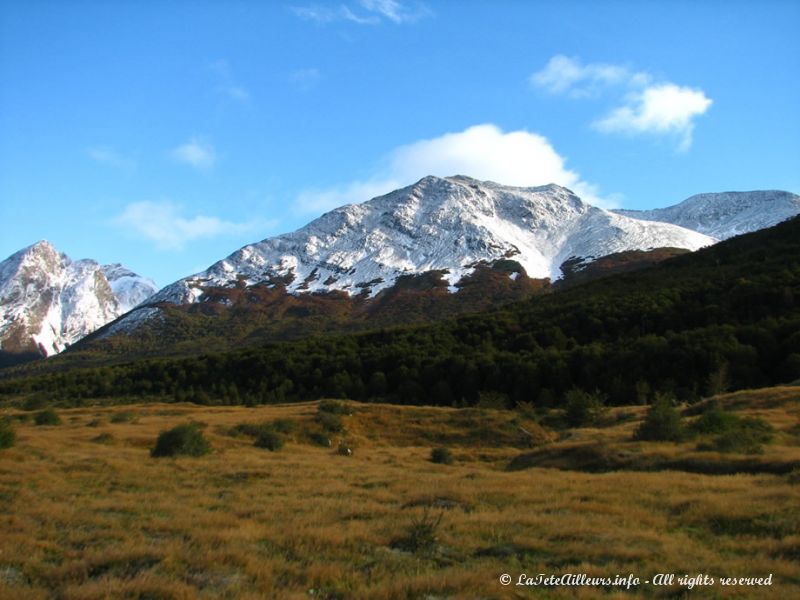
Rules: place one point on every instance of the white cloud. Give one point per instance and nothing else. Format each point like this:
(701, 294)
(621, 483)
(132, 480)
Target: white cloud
(365, 12)
(195, 153)
(645, 106)
(348, 15)
(318, 14)
(564, 75)
(164, 224)
(660, 109)
(108, 156)
(485, 152)
(395, 11)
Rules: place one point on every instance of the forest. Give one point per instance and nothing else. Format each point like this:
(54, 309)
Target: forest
(723, 318)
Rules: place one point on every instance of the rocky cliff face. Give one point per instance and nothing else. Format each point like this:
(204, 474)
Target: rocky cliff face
(48, 301)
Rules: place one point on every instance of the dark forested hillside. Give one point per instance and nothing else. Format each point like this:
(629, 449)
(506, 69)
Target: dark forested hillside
(725, 317)
(239, 317)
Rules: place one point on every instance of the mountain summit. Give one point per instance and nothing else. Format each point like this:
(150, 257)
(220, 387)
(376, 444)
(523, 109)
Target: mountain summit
(726, 214)
(438, 224)
(48, 301)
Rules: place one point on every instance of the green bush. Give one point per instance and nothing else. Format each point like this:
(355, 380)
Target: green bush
(441, 456)
(252, 430)
(331, 422)
(583, 408)
(47, 417)
(186, 439)
(715, 420)
(269, 439)
(662, 423)
(35, 402)
(284, 425)
(333, 407)
(320, 439)
(748, 437)
(422, 535)
(7, 434)
(123, 417)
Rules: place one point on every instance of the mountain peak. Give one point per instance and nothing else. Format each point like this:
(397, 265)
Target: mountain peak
(48, 301)
(40, 248)
(41, 245)
(447, 224)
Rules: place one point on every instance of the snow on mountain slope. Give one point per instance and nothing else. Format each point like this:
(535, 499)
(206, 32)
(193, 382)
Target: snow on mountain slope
(129, 288)
(438, 223)
(726, 214)
(48, 301)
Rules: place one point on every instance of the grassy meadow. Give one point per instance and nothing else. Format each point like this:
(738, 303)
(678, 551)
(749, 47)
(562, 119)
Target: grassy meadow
(86, 512)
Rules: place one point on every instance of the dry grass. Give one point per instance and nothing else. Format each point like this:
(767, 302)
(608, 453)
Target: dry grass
(86, 513)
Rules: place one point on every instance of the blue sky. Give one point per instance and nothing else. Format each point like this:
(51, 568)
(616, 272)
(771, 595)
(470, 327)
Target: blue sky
(165, 135)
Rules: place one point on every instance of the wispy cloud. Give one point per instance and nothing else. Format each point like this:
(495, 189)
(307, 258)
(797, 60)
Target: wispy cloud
(108, 156)
(227, 85)
(645, 106)
(364, 12)
(165, 224)
(564, 75)
(394, 11)
(520, 158)
(305, 79)
(195, 153)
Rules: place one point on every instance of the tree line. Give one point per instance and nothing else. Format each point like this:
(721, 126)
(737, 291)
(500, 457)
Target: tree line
(726, 317)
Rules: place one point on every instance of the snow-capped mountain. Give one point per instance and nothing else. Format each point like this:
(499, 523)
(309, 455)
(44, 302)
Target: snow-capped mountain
(48, 301)
(726, 214)
(129, 288)
(436, 224)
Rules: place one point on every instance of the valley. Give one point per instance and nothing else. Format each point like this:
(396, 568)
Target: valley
(88, 513)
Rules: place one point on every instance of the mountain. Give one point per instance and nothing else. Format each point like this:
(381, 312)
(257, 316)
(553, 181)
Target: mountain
(129, 288)
(726, 316)
(48, 301)
(438, 224)
(726, 214)
(430, 251)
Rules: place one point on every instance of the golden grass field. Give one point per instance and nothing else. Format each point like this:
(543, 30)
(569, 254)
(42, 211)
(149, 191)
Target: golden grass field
(86, 513)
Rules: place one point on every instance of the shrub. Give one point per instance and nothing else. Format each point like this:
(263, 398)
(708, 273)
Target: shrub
(441, 456)
(7, 434)
(320, 439)
(103, 438)
(493, 400)
(250, 429)
(422, 534)
(285, 425)
(344, 450)
(793, 477)
(715, 420)
(333, 407)
(35, 402)
(186, 439)
(269, 439)
(123, 417)
(47, 417)
(748, 437)
(662, 423)
(331, 422)
(583, 408)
